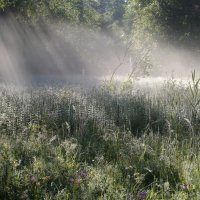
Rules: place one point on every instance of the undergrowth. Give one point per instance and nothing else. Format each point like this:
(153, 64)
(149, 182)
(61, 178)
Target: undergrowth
(70, 143)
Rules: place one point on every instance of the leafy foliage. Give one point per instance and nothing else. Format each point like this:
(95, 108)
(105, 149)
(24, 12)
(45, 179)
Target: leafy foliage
(174, 20)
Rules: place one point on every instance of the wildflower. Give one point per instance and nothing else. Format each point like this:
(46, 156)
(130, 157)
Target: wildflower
(79, 177)
(33, 180)
(83, 174)
(142, 195)
(184, 187)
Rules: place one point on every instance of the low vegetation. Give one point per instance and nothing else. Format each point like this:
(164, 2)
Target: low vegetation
(101, 143)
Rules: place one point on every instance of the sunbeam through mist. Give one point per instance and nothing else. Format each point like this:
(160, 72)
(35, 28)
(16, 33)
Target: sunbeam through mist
(61, 51)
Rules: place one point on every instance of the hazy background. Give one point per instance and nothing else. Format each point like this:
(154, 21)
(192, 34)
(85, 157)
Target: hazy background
(98, 39)
(51, 50)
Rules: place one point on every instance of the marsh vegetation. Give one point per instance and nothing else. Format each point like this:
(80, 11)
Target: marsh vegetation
(61, 142)
(87, 108)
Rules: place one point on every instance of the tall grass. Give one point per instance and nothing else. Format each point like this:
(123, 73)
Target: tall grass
(70, 143)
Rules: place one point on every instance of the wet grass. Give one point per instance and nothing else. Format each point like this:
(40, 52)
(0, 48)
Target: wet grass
(102, 143)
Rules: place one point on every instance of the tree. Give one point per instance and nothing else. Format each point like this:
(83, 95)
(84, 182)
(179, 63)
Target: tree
(73, 11)
(177, 21)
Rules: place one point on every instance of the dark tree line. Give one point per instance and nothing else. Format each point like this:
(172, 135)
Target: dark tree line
(177, 21)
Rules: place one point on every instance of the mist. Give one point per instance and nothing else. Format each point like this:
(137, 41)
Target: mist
(170, 60)
(29, 52)
(76, 54)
